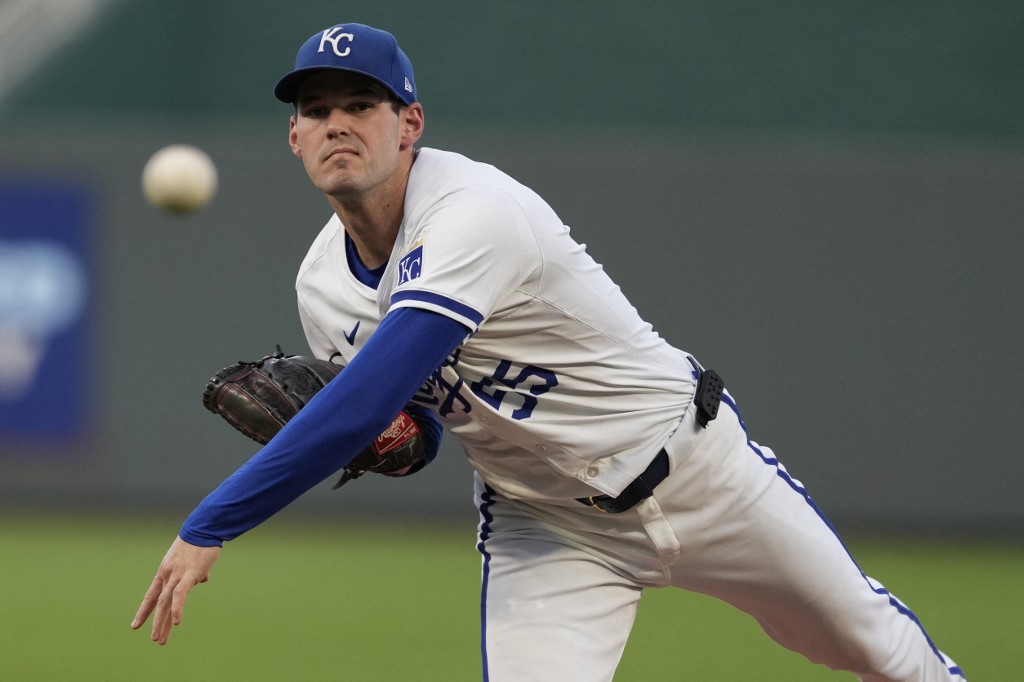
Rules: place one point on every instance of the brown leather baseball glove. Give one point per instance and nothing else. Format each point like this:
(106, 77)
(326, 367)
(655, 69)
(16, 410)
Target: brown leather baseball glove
(259, 398)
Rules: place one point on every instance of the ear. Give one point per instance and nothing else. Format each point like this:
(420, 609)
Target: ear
(411, 124)
(293, 138)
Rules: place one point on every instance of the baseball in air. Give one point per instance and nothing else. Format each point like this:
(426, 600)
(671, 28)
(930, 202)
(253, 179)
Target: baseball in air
(179, 178)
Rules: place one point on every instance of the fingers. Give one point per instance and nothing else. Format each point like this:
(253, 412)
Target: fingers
(161, 630)
(165, 600)
(173, 608)
(148, 602)
(184, 567)
(170, 605)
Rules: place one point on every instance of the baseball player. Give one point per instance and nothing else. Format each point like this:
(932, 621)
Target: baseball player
(606, 460)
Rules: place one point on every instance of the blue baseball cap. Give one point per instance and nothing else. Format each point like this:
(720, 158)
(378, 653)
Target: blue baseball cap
(356, 48)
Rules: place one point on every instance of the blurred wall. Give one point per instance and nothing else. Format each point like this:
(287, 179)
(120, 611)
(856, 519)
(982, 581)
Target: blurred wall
(822, 201)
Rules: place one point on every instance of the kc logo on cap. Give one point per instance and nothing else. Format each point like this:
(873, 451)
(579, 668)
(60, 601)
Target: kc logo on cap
(334, 36)
(356, 48)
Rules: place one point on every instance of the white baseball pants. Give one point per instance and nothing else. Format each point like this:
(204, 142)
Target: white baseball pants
(561, 582)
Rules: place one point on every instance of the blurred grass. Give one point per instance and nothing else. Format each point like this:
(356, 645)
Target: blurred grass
(293, 600)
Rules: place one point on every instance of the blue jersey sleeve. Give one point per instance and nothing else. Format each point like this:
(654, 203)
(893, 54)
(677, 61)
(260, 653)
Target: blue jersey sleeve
(337, 423)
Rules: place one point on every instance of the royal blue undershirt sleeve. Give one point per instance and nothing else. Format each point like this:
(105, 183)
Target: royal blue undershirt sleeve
(328, 432)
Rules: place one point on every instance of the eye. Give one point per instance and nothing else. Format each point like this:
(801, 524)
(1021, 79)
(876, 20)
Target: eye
(314, 111)
(361, 106)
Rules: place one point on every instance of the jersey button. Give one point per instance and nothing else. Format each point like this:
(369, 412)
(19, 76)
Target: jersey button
(592, 472)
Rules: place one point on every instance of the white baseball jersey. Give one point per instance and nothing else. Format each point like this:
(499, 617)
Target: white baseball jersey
(535, 419)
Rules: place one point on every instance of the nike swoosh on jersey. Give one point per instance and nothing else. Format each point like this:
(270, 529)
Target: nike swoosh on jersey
(351, 336)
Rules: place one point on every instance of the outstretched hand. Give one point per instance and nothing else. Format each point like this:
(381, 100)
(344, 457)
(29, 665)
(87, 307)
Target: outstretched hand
(183, 567)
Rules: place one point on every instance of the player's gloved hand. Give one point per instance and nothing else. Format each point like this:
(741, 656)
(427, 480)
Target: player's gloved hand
(259, 398)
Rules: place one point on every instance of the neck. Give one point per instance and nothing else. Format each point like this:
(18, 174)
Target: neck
(372, 219)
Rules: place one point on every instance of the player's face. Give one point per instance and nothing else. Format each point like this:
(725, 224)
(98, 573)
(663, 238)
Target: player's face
(348, 134)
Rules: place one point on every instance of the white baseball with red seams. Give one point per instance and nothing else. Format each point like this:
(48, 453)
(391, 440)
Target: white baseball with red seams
(179, 178)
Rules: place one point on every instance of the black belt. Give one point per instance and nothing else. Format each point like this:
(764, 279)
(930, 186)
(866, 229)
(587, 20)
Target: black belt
(707, 400)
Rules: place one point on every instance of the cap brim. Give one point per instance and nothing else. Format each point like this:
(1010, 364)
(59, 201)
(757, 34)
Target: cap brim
(287, 89)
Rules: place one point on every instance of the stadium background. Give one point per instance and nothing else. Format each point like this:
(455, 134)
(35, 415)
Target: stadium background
(823, 201)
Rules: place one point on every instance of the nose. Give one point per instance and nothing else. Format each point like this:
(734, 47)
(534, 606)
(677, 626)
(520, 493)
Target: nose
(337, 123)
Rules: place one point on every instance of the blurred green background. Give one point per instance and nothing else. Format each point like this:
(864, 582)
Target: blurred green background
(356, 601)
(822, 200)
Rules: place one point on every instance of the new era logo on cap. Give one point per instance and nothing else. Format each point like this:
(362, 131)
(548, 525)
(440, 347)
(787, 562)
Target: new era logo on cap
(357, 48)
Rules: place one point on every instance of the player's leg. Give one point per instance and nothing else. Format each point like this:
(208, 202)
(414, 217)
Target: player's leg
(751, 536)
(549, 610)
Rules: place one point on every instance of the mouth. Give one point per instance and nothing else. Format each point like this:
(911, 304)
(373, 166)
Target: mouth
(340, 153)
